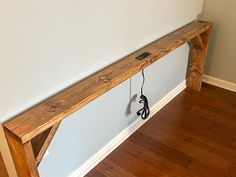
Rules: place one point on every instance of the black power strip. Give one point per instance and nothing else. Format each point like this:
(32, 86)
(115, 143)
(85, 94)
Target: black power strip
(143, 56)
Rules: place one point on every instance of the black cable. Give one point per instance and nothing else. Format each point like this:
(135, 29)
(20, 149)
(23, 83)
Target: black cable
(145, 111)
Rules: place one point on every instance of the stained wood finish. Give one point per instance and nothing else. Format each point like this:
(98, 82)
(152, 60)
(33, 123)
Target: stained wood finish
(192, 136)
(27, 156)
(33, 127)
(3, 170)
(23, 157)
(41, 142)
(199, 48)
(6, 161)
(51, 111)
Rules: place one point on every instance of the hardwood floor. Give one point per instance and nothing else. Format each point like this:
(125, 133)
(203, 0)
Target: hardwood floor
(193, 136)
(3, 172)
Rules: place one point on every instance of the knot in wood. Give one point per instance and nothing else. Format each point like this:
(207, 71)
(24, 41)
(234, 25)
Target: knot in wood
(55, 106)
(104, 79)
(196, 71)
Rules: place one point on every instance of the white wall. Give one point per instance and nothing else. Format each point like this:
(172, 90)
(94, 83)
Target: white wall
(221, 61)
(47, 45)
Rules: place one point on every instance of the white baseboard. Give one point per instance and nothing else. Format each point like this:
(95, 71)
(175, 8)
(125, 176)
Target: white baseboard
(115, 142)
(219, 83)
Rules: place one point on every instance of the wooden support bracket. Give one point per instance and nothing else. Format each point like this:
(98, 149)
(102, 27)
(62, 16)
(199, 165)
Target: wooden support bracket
(41, 142)
(23, 156)
(199, 48)
(30, 133)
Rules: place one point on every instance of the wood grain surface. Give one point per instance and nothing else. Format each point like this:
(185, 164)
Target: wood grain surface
(3, 170)
(23, 156)
(39, 118)
(30, 133)
(6, 161)
(198, 54)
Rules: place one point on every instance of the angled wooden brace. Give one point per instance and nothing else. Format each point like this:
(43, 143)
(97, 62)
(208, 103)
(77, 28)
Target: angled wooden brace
(30, 133)
(27, 156)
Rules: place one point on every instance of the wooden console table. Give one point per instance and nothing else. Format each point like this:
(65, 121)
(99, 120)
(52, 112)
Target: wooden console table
(30, 133)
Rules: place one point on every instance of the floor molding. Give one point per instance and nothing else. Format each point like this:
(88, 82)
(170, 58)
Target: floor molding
(219, 83)
(115, 142)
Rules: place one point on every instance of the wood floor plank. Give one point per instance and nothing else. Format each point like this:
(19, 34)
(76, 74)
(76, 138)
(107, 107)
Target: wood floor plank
(170, 169)
(202, 128)
(192, 136)
(174, 155)
(111, 169)
(133, 165)
(147, 156)
(218, 93)
(165, 128)
(232, 171)
(95, 173)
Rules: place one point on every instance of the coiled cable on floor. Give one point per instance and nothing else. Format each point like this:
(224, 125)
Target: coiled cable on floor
(145, 111)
